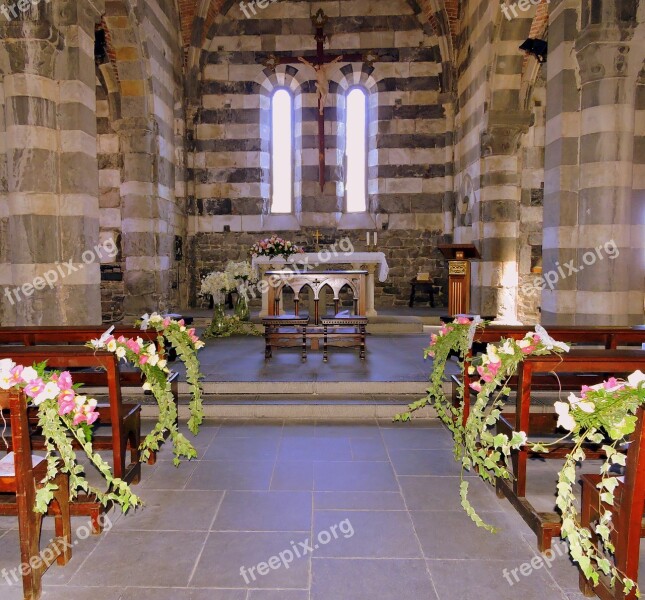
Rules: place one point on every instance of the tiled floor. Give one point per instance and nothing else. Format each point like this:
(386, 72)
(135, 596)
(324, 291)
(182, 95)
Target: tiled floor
(377, 502)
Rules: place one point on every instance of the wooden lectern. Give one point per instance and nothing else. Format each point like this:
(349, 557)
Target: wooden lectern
(459, 257)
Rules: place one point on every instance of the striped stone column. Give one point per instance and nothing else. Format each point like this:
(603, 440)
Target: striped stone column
(146, 240)
(51, 164)
(499, 215)
(607, 274)
(561, 168)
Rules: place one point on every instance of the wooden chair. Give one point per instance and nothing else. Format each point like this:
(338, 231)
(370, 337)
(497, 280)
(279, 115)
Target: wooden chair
(20, 479)
(627, 517)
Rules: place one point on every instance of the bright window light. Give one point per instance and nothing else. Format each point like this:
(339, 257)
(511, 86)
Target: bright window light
(356, 150)
(282, 152)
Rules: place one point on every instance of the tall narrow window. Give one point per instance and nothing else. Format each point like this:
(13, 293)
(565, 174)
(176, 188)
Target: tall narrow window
(282, 152)
(356, 150)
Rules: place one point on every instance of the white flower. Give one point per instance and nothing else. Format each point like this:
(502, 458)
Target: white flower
(156, 318)
(111, 345)
(120, 352)
(28, 374)
(507, 348)
(636, 378)
(146, 386)
(50, 391)
(548, 341)
(199, 345)
(144, 322)
(151, 350)
(565, 420)
(6, 364)
(525, 343)
(153, 360)
(491, 351)
(182, 328)
(162, 363)
(6, 381)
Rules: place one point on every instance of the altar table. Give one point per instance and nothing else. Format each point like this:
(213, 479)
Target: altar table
(308, 262)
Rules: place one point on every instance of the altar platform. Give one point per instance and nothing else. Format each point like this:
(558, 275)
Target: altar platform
(239, 382)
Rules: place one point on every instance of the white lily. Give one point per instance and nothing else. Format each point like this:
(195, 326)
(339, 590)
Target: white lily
(50, 392)
(548, 341)
(28, 374)
(636, 378)
(565, 420)
(507, 348)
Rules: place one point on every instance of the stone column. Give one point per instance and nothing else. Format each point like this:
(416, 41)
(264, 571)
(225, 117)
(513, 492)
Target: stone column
(52, 170)
(600, 237)
(561, 168)
(496, 286)
(146, 235)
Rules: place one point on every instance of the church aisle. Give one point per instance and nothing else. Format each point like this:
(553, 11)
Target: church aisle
(371, 507)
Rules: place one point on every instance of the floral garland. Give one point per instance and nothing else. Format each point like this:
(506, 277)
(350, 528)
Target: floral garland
(61, 410)
(223, 326)
(452, 338)
(275, 246)
(186, 344)
(606, 410)
(485, 452)
(147, 360)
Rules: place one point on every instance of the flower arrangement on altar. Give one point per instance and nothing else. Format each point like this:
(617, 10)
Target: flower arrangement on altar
(275, 246)
(64, 416)
(241, 272)
(602, 414)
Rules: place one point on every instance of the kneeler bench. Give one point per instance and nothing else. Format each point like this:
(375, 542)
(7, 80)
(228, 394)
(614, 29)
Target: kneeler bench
(285, 331)
(347, 331)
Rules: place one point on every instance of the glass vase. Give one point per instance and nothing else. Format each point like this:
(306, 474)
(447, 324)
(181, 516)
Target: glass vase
(218, 324)
(242, 310)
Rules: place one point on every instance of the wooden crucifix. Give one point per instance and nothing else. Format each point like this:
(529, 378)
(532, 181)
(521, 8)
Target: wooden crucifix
(321, 64)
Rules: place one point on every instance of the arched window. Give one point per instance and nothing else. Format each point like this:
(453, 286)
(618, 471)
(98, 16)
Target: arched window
(281, 152)
(356, 150)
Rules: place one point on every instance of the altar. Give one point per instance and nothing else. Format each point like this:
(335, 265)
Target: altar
(309, 262)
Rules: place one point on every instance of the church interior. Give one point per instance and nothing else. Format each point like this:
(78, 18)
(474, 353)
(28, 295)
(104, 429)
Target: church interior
(322, 300)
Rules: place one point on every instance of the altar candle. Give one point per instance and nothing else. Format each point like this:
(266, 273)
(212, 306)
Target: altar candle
(368, 239)
(375, 238)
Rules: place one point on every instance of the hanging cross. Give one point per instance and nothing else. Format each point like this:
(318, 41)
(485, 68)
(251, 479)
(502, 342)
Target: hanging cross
(317, 236)
(321, 66)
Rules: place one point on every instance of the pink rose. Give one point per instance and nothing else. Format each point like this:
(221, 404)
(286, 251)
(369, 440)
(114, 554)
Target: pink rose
(34, 388)
(65, 381)
(477, 386)
(132, 344)
(463, 321)
(143, 359)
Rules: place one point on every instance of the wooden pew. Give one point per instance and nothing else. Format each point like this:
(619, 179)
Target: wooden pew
(627, 517)
(18, 489)
(602, 363)
(609, 337)
(124, 419)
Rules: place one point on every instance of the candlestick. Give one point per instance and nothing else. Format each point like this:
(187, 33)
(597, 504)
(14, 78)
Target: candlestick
(368, 239)
(375, 238)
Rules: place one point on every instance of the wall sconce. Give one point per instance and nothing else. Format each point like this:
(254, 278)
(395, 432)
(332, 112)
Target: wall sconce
(537, 48)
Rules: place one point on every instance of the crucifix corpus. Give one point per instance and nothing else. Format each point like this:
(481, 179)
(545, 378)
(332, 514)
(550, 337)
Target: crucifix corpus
(321, 64)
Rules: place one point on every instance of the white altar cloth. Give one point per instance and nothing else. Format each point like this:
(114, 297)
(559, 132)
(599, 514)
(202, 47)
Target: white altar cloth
(320, 259)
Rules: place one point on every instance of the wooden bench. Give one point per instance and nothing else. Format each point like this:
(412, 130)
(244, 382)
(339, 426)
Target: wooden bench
(18, 486)
(123, 419)
(284, 331)
(609, 337)
(627, 517)
(601, 363)
(347, 331)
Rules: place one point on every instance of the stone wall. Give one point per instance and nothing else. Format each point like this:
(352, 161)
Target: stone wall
(408, 252)
(410, 159)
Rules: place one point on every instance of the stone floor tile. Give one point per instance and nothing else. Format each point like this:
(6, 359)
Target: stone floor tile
(226, 553)
(68, 592)
(365, 534)
(364, 579)
(166, 476)
(278, 595)
(317, 449)
(354, 477)
(144, 558)
(442, 493)
(467, 579)
(358, 501)
(264, 511)
(293, 475)
(368, 449)
(231, 475)
(417, 439)
(261, 448)
(425, 462)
